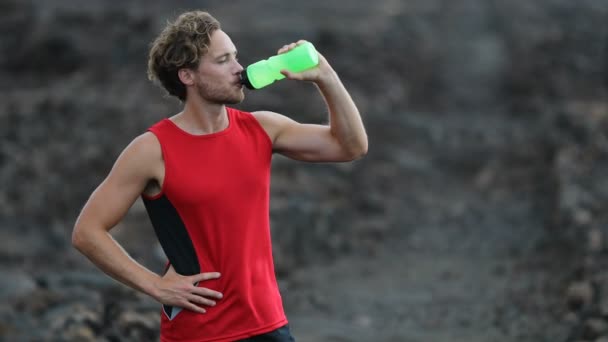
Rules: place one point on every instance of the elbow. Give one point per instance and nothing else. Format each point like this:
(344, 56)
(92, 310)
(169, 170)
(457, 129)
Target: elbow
(80, 238)
(77, 238)
(357, 152)
(360, 149)
(360, 154)
(363, 150)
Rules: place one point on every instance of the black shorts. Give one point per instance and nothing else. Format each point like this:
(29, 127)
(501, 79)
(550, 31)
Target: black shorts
(281, 334)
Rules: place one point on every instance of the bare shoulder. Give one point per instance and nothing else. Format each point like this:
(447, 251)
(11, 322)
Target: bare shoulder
(269, 117)
(144, 147)
(264, 116)
(146, 143)
(142, 156)
(272, 122)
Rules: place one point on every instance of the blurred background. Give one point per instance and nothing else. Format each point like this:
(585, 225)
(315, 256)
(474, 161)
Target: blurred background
(479, 213)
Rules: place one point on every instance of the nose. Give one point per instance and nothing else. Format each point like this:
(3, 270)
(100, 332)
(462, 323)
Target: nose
(239, 68)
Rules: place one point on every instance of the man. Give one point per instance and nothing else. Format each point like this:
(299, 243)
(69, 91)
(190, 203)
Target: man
(203, 175)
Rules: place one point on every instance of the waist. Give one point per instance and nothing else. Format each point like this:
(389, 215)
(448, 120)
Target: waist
(243, 309)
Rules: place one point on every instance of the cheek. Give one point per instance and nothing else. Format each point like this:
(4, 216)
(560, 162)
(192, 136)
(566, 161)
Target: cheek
(212, 81)
(212, 70)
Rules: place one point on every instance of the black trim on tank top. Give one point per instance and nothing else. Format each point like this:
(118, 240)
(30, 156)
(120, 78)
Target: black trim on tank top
(172, 235)
(174, 239)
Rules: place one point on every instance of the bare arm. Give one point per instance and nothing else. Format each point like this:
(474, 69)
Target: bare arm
(139, 163)
(344, 139)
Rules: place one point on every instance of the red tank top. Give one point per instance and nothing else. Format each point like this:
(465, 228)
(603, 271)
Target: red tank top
(212, 215)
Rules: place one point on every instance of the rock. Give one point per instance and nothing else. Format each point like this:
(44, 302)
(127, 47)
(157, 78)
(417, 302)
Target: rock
(594, 328)
(571, 318)
(594, 240)
(139, 326)
(13, 240)
(39, 301)
(604, 307)
(579, 294)
(582, 217)
(69, 316)
(75, 278)
(130, 319)
(15, 283)
(78, 334)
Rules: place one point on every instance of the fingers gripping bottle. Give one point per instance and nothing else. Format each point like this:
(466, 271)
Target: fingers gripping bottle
(266, 71)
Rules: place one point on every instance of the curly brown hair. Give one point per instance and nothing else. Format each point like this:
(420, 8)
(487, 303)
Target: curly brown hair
(181, 44)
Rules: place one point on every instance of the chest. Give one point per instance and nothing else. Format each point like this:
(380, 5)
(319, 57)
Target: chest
(219, 171)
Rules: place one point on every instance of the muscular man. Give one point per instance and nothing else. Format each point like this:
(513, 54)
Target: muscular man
(203, 175)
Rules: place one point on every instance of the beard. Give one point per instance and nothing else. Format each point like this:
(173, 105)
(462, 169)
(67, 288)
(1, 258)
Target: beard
(220, 94)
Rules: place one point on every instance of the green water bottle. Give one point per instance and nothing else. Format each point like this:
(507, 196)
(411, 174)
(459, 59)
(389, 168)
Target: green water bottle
(266, 71)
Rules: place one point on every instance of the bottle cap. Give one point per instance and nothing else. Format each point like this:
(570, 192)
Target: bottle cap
(245, 80)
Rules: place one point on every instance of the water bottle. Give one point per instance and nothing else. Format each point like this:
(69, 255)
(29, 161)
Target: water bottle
(266, 71)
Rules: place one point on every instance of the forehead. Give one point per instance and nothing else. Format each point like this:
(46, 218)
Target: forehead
(219, 44)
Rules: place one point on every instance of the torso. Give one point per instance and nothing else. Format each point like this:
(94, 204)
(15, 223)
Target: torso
(154, 185)
(208, 201)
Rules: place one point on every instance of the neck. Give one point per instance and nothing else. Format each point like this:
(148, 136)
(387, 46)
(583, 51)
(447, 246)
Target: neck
(199, 117)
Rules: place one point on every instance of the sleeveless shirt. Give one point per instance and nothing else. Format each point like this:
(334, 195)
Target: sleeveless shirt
(212, 215)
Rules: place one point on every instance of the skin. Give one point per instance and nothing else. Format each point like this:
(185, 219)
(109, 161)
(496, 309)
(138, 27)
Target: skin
(140, 168)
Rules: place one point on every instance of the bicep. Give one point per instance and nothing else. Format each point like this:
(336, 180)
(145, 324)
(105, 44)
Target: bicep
(110, 202)
(309, 142)
(306, 142)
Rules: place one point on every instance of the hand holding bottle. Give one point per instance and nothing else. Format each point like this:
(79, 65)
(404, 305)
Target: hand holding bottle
(314, 74)
(298, 61)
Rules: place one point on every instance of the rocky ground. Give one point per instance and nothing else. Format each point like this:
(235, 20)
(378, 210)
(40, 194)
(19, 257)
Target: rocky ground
(479, 213)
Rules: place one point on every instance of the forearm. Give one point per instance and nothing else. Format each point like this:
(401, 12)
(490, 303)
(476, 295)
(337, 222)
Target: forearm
(101, 248)
(345, 121)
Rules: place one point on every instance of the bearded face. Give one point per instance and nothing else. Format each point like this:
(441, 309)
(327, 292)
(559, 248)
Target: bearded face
(217, 79)
(218, 92)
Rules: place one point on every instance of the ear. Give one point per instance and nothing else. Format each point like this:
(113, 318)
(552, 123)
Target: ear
(185, 75)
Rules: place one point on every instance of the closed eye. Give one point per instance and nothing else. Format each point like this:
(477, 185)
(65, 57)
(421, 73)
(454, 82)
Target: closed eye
(226, 57)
